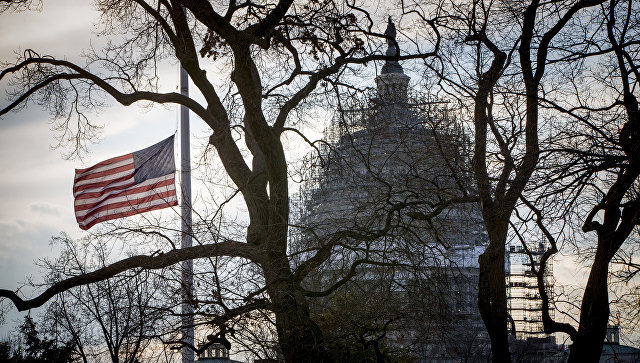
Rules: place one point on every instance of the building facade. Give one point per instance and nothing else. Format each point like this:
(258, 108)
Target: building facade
(389, 201)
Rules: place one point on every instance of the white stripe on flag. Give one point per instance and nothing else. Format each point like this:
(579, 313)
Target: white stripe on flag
(128, 209)
(124, 198)
(79, 202)
(106, 167)
(105, 178)
(126, 182)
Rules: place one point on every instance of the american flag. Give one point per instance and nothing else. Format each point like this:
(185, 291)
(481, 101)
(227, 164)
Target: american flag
(126, 185)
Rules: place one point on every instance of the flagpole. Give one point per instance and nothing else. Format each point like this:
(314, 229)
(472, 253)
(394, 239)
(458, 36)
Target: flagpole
(185, 211)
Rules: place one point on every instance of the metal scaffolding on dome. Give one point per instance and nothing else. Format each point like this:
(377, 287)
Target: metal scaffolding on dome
(395, 146)
(381, 152)
(368, 149)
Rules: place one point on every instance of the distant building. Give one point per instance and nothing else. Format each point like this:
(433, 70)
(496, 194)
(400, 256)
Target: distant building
(612, 351)
(391, 149)
(217, 351)
(387, 163)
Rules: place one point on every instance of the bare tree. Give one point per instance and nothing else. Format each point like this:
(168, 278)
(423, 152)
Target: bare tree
(493, 60)
(118, 318)
(594, 167)
(391, 195)
(304, 43)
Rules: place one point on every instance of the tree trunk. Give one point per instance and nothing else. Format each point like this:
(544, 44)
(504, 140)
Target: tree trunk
(300, 338)
(492, 296)
(594, 312)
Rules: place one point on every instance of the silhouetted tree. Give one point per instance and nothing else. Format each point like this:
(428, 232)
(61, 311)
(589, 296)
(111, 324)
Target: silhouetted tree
(493, 60)
(33, 347)
(274, 56)
(593, 167)
(120, 317)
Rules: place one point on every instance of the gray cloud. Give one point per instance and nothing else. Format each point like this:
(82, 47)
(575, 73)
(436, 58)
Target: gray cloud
(44, 208)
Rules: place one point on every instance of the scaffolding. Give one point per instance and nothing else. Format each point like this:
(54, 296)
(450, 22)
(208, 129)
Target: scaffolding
(378, 154)
(325, 197)
(375, 128)
(523, 298)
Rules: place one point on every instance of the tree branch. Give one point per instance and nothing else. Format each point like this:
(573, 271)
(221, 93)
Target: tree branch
(228, 248)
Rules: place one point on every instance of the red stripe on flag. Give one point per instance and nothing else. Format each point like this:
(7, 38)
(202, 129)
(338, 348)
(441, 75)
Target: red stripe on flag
(128, 213)
(104, 172)
(77, 190)
(129, 191)
(104, 163)
(87, 195)
(129, 203)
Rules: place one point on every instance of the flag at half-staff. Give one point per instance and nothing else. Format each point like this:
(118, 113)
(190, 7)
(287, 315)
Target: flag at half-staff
(126, 185)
